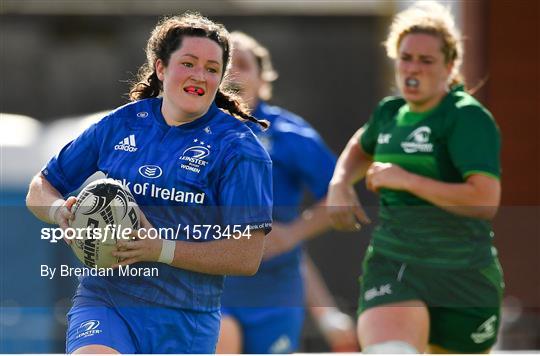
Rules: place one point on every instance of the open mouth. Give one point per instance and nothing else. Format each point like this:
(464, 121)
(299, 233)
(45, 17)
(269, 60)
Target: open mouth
(412, 83)
(193, 90)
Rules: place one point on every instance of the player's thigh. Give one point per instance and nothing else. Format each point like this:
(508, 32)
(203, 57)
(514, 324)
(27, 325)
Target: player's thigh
(91, 327)
(389, 307)
(162, 330)
(468, 322)
(406, 321)
(230, 336)
(463, 329)
(204, 331)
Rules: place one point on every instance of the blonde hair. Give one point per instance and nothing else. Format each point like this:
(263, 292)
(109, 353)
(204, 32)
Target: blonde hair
(431, 18)
(262, 57)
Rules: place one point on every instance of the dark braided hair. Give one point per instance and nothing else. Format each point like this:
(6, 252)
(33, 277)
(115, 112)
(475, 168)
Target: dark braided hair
(233, 104)
(165, 39)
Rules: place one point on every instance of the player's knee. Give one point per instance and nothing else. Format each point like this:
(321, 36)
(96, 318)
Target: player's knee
(390, 347)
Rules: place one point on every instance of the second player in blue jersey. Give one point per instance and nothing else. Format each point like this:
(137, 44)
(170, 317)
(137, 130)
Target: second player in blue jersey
(268, 308)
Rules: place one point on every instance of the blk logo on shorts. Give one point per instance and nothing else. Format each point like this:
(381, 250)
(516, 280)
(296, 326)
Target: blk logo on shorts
(378, 292)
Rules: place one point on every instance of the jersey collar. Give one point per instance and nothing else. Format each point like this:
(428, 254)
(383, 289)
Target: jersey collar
(415, 117)
(197, 123)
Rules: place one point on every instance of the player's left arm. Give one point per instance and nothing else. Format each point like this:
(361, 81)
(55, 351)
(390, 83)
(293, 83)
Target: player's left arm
(223, 257)
(473, 144)
(314, 163)
(479, 196)
(311, 223)
(240, 256)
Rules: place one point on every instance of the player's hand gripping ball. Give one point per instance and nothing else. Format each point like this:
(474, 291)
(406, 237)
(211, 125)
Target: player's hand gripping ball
(105, 212)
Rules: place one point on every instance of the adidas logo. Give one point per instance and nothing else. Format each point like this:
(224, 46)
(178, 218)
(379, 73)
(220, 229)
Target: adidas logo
(127, 144)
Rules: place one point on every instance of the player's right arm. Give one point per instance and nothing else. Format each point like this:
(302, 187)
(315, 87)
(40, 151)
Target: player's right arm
(344, 207)
(46, 202)
(65, 172)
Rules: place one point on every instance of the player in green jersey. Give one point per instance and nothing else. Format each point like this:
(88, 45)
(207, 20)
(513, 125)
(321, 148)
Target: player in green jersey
(431, 279)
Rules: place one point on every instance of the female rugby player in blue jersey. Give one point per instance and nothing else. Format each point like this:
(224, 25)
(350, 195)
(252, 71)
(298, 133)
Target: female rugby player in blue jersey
(265, 313)
(431, 278)
(177, 113)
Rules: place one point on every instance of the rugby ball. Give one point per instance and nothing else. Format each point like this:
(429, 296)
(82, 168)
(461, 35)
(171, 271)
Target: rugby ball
(105, 212)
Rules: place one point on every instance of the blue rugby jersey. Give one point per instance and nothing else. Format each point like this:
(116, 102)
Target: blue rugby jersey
(300, 160)
(209, 171)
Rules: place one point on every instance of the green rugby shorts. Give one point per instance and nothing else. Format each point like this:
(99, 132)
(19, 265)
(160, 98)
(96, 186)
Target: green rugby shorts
(464, 304)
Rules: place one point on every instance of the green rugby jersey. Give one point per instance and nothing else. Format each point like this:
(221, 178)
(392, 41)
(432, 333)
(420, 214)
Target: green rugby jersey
(457, 138)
